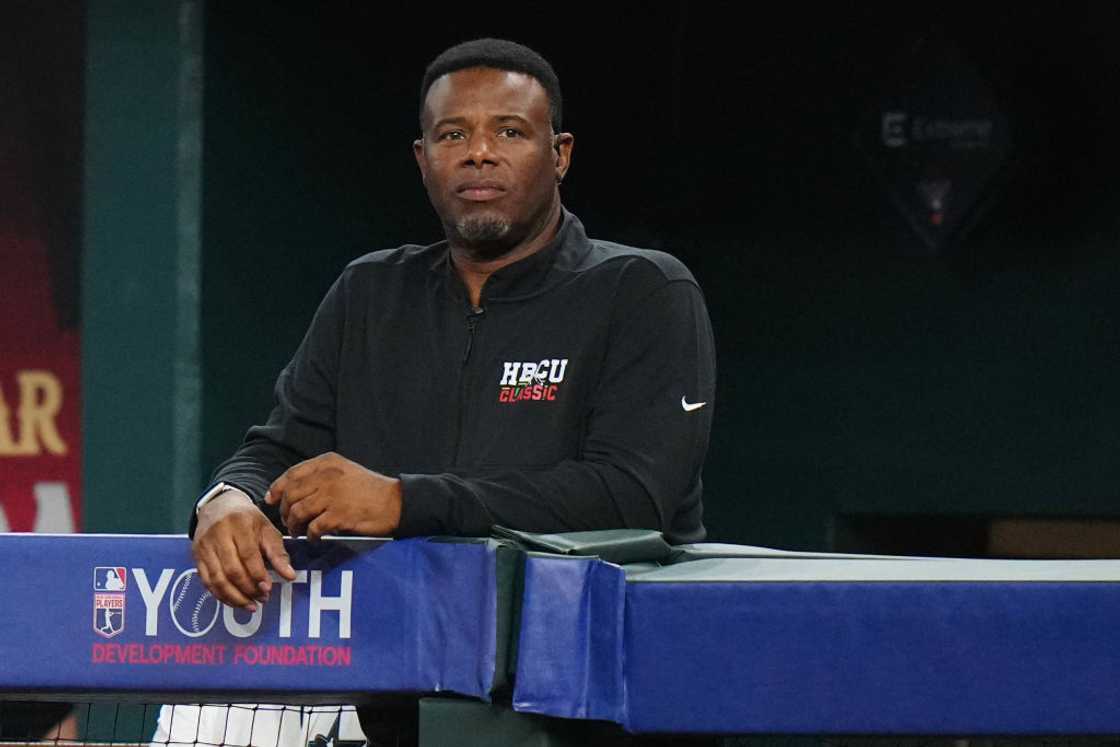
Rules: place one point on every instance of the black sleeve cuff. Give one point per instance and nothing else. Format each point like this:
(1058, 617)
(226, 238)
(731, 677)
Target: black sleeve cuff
(425, 502)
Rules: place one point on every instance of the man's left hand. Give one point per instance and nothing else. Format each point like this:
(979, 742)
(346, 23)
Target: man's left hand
(330, 494)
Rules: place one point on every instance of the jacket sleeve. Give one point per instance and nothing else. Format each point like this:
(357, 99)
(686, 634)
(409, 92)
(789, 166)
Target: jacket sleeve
(302, 423)
(644, 443)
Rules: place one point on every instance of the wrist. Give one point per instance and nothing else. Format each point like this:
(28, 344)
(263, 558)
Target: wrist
(396, 505)
(219, 507)
(222, 503)
(216, 491)
(381, 513)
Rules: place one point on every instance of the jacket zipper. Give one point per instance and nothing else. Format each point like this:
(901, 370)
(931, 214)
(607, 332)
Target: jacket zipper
(474, 316)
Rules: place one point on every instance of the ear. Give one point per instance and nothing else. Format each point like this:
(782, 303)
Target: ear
(421, 161)
(562, 144)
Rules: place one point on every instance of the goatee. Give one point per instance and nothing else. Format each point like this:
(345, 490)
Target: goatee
(486, 236)
(483, 229)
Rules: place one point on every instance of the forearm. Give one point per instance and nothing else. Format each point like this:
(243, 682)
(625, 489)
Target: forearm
(270, 449)
(571, 496)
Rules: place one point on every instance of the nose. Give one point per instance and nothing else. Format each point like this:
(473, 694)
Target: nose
(480, 150)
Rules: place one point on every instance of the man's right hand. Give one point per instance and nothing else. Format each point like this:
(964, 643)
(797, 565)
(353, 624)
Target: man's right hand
(231, 542)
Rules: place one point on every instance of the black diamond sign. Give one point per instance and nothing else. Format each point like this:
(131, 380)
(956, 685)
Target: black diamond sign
(938, 140)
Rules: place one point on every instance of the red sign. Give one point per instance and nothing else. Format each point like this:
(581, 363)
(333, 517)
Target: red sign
(40, 177)
(40, 407)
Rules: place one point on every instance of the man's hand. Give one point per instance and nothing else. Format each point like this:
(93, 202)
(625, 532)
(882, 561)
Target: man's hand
(333, 495)
(231, 542)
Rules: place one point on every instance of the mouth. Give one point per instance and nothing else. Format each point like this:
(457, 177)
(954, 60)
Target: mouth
(480, 191)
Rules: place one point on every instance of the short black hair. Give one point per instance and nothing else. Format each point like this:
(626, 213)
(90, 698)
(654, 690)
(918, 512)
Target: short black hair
(498, 54)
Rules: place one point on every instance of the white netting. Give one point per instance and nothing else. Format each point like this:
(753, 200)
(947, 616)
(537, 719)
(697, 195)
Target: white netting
(231, 725)
(260, 725)
(257, 726)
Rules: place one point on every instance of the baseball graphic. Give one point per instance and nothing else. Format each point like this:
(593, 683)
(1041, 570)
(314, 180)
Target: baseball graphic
(194, 610)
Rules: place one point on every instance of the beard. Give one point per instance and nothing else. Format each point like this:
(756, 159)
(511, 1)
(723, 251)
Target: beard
(485, 236)
(483, 228)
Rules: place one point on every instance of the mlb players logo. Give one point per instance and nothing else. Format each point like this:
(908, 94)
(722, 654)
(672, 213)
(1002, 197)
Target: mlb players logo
(108, 614)
(109, 584)
(109, 578)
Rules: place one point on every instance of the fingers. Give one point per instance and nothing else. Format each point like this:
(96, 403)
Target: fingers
(253, 562)
(228, 556)
(290, 482)
(286, 503)
(213, 573)
(273, 546)
(233, 567)
(298, 515)
(307, 493)
(295, 489)
(233, 557)
(279, 487)
(323, 524)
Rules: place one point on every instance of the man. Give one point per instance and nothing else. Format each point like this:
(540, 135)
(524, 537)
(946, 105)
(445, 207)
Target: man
(517, 373)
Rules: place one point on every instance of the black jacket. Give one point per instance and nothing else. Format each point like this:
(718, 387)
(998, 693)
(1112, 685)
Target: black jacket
(569, 401)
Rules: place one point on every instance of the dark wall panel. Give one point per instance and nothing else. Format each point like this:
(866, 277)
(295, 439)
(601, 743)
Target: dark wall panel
(854, 376)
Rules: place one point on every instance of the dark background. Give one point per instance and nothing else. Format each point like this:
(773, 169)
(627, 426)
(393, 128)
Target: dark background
(857, 380)
(41, 60)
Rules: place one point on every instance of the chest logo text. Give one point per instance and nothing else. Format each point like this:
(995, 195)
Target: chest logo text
(529, 381)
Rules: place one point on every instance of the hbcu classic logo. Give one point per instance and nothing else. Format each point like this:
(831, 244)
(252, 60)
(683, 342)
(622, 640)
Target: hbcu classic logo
(529, 381)
(109, 583)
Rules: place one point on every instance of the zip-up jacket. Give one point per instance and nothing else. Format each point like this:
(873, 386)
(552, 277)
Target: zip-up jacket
(579, 395)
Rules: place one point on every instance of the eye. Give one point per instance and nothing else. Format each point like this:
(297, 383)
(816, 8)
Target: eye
(450, 135)
(510, 132)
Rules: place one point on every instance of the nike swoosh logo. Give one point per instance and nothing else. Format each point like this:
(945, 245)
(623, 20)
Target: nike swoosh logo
(689, 408)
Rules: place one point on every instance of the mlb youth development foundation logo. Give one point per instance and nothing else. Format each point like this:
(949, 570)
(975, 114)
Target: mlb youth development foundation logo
(109, 585)
(528, 381)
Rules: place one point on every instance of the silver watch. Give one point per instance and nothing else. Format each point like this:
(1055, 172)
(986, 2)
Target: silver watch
(214, 492)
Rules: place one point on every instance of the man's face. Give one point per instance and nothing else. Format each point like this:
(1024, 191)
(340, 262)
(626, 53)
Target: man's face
(489, 159)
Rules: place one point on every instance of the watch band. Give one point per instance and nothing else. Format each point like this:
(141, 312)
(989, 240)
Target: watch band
(214, 492)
